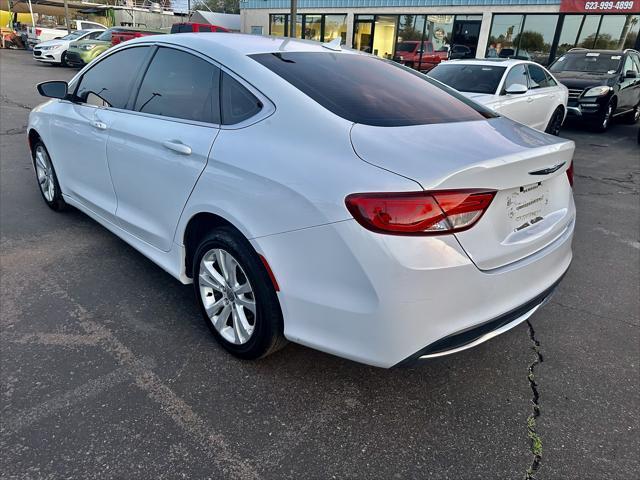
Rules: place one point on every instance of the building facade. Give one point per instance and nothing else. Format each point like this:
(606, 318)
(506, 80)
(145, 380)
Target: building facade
(540, 30)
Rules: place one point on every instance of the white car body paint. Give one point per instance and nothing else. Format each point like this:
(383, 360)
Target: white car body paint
(533, 108)
(282, 178)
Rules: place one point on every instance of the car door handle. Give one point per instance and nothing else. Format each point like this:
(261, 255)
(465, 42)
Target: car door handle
(177, 146)
(99, 125)
(529, 99)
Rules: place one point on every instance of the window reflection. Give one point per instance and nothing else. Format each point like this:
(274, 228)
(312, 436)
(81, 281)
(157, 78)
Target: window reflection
(587, 31)
(569, 33)
(313, 27)
(363, 35)
(534, 43)
(335, 26)
(278, 25)
(504, 30)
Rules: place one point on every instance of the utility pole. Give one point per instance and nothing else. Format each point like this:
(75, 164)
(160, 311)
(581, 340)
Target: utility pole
(66, 16)
(293, 18)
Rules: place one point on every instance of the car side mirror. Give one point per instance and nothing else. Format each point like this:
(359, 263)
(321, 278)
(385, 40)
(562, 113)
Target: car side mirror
(517, 89)
(53, 89)
(630, 74)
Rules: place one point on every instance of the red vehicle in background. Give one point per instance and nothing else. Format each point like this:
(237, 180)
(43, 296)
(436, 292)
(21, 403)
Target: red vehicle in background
(124, 35)
(196, 27)
(423, 58)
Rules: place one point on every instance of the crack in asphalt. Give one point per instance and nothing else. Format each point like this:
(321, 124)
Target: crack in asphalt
(629, 182)
(532, 433)
(6, 100)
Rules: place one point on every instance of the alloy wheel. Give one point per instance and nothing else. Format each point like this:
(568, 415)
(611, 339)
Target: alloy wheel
(227, 296)
(44, 171)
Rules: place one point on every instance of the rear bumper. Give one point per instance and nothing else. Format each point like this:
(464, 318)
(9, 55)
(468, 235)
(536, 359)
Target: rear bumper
(474, 336)
(380, 299)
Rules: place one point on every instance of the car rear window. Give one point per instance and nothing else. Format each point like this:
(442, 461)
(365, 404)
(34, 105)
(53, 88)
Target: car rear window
(371, 91)
(469, 78)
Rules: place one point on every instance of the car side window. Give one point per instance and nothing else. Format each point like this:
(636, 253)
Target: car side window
(111, 79)
(238, 103)
(93, 35)
(538, 77)
(180, 85)
(516, 76)
(636, 61)
(628, 65)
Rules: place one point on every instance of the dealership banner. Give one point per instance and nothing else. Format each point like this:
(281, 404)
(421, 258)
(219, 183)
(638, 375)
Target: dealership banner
(583, 6)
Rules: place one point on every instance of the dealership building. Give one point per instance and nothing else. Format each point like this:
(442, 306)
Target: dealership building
(540, 30)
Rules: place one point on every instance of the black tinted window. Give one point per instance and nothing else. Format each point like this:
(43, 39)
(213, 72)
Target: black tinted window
(111, 79)
(368, 90)
(238, 103)
(539, 78)
(469, 78)
(516, 76)
(180, 85)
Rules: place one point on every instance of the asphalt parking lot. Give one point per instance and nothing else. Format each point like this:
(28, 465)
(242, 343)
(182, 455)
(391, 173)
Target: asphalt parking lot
(108, 370)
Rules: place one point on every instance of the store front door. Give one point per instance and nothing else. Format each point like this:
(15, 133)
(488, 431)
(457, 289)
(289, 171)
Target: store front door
(464, 41)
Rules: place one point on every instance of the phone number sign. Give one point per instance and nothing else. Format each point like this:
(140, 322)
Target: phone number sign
(583, 6)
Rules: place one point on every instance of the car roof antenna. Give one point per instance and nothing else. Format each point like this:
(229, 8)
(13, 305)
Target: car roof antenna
(333, 44)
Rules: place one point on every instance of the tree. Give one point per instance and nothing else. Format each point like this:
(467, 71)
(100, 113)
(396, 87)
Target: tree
(222, 6)
(530, 41)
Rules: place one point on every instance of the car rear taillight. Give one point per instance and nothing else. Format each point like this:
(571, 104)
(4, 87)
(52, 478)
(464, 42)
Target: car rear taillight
(570, 173)
(38, 32)
(419, 213)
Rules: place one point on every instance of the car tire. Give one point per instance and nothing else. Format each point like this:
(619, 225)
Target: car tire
(604, 120)
(46, 177)
(555, 123)
(239, 304)
(633, 116)
(63, 59)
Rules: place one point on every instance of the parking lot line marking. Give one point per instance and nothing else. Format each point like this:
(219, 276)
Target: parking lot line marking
(627, 241)
(57, 339)
(90, 389)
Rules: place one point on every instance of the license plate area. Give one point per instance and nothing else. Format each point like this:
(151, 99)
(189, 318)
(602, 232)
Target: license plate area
(527, 205)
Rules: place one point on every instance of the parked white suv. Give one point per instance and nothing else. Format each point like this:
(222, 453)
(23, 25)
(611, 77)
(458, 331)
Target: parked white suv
(55, 51)
(521, 90)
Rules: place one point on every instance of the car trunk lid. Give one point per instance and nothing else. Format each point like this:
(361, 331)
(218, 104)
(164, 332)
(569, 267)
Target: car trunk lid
(533, 205)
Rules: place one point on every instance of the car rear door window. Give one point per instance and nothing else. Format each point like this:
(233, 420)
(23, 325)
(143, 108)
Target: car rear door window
(538, 77)
(180, 85)
(111, 79)
(371, 91)
(516, 76)
(238, 103)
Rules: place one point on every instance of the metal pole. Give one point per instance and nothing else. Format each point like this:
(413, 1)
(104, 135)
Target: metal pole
(33, 22)
(189, 11)
(66, 16)
(292, 20)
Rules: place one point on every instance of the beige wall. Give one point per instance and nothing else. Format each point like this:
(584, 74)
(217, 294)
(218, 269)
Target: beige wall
(260, 17)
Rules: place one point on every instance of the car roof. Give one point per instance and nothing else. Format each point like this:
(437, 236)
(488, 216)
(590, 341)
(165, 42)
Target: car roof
(504, 62)
(240, 43)
(579, 51)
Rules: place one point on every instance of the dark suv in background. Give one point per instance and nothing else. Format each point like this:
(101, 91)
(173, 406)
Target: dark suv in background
(602, 84)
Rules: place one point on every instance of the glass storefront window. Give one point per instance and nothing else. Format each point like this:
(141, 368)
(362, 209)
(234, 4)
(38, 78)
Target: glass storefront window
(615, 31)
(569, 33)
(363, 35)
(313, 27)
(504, 30)
(385, 36)
(410, 27)
(335, 26)
(588, 30)
(278, 25)
(439, 31)
(534, 43)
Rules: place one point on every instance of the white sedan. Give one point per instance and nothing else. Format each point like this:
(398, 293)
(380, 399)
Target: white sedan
(312, 194)
(521, 90)
(55, 51)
